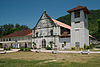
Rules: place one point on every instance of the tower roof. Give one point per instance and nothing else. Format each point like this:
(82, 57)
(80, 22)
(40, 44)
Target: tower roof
(79, 7)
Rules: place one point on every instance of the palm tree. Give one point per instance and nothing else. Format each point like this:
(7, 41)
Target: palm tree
(34, 44)
(51, 43)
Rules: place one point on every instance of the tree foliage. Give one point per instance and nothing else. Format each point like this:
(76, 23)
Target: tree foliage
(10, 28)
(93, 22)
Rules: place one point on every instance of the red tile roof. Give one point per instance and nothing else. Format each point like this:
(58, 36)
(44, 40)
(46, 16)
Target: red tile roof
(19, 33)
(61, 24)
(79, 8)
(92, 36)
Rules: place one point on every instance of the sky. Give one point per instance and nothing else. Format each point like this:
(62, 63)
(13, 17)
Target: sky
(28, 12)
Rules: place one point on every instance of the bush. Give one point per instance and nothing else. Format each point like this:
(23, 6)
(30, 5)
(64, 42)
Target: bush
(48, 48)
(27, 49)
(21, 49)
(91, 46)
(87, 47)
(9, 48)
(84, 46)
(80, 48)
(72, 48)
(98, 46)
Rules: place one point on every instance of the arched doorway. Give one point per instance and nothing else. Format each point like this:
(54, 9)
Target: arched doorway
(25, 45)
(43, 43)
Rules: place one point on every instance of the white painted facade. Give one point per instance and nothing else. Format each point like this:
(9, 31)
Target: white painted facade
(44, 27)
(17, 42)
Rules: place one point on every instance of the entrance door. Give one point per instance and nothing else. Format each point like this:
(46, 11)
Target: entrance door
(43, 43)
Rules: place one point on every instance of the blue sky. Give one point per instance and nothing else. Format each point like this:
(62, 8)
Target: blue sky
(28, 12)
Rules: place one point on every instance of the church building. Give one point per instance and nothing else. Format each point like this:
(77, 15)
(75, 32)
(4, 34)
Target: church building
(62, 35)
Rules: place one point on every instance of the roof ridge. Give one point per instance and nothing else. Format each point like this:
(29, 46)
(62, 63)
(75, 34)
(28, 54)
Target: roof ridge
(62, 24)
(18, 33)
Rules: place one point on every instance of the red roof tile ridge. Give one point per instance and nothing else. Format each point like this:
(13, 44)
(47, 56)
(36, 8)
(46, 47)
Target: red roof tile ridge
(61, 24)
(19, 33)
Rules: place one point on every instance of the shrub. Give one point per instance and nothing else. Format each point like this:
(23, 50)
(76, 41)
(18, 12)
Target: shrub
(98, 46)
(91, 46)
(72, 48)
(27, 49)
(8, 48)
(87, 47)
(21, 49)
(84, 46)
(80, 48)
(48, 48)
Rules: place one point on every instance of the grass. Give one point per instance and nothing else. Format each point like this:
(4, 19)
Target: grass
(31, 59)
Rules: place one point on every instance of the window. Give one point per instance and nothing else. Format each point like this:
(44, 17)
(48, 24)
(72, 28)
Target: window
(36, 34)
(6, 39)
(62, 45)
(64, 42)
(76, 29)
(3, 39)
(9, 39)
(51, 32)
(77, 43)
(77, 14)
(77, 22)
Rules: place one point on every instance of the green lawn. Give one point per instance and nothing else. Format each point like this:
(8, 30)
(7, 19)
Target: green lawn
(26, 59)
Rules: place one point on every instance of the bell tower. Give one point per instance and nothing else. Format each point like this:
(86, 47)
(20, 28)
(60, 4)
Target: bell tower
(79, 24)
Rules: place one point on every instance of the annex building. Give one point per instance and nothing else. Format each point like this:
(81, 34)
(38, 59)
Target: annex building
(17, 39)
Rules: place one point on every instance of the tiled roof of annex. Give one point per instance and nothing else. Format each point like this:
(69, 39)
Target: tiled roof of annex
(19, 33)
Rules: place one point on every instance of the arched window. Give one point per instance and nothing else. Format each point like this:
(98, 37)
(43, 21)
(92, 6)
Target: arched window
(9, 39)
(3, 39)
(51, 32)
(36, 34)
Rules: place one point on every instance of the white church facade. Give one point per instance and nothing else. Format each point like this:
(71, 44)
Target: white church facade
(62, 35)
(48, 29)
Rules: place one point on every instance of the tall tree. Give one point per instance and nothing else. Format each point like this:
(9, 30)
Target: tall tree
(10, 28)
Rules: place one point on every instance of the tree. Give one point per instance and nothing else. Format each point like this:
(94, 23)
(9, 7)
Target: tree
(24, 27)
(98, 21)
(98, 32)
(10, 28)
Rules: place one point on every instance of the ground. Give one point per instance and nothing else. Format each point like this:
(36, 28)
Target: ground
(32, 59)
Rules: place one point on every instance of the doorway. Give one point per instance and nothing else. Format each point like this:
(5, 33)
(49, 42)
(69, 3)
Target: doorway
(43, 43)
